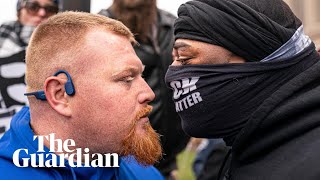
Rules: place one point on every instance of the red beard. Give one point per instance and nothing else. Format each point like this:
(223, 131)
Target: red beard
(147, 148)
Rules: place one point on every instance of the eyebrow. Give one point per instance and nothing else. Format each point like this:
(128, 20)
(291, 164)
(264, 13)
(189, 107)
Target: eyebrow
(133, 69)
(178, 45)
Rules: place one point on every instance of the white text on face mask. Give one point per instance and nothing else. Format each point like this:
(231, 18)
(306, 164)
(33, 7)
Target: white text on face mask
(183, 87)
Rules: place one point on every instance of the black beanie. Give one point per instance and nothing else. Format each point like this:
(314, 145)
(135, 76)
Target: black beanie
(251, 29)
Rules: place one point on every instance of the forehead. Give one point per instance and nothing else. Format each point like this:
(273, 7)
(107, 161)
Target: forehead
(199, 47)
(42, 2)
(115, 49)
(190, 43)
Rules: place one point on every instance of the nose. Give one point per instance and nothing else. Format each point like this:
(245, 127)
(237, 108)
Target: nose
(42, 12)
(176, 63)
(146, 95)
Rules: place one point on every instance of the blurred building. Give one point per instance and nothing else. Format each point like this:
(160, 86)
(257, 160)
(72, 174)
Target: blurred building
(309, 12)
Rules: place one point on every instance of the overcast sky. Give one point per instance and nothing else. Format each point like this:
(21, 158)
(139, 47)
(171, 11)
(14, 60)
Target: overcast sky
(8, 7)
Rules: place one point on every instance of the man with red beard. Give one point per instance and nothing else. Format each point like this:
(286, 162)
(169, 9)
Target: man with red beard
(84, 83)
(153, 29)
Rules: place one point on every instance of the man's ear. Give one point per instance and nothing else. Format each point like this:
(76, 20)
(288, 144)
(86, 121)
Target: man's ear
(54, 88)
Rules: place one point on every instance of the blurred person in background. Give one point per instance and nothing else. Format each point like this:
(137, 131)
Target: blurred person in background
(210, 155)
(247, 73)
(153, 29)
(14, 37)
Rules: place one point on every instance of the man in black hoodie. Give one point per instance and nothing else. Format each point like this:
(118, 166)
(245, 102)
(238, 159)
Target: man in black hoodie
(244, 71)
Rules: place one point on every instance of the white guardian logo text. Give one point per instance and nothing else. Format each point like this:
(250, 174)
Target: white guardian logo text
(59, 151)
(183, 87)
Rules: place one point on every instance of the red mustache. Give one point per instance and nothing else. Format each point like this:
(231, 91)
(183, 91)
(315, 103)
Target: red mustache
(144, 112)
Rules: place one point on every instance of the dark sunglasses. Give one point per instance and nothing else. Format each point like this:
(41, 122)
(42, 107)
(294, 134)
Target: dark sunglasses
(34, 7)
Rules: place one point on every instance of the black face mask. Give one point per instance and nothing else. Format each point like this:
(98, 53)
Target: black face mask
(215, 101)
